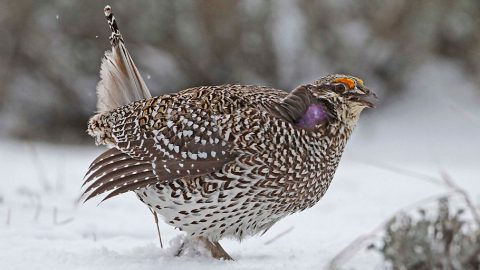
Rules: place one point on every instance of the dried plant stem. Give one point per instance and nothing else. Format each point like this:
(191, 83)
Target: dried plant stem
(405, 172)
(55, 218)
(60, 179)
(445, 180)
(42, 176)
(358, 243)
(452, 185)
(158, 227)
(280, 235)
(38, 210)
(473, 118)
(9, 217)
(55, 213)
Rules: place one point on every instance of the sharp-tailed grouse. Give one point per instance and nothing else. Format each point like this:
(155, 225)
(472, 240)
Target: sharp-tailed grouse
(219, 161)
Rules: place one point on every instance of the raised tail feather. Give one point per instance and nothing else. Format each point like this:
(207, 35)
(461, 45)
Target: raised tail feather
(121, 82)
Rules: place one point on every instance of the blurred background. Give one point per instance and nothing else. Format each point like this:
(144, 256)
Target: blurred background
(421, 57)
(51, 50)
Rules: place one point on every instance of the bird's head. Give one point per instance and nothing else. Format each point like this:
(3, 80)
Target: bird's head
(344, 96)
(346, 89)
(332, 99)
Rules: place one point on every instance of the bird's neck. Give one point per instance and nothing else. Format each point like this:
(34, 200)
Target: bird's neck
(328, 149)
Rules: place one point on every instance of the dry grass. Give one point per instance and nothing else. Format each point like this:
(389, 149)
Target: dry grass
(425, 243)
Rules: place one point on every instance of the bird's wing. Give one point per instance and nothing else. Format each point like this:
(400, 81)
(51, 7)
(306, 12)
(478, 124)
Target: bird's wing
(293, 106)
(176, 145)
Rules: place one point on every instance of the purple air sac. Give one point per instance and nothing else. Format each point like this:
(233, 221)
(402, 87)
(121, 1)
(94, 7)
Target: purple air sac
(314, 115)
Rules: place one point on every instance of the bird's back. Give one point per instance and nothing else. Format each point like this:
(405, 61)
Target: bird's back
(226, 99)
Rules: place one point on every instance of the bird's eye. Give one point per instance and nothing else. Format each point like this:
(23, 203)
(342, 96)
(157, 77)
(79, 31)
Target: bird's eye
(339, 87)
(350, 83)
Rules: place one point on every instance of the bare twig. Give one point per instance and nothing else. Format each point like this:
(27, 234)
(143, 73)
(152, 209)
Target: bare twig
(360, 242)
(42, 176)
(9, 216)
(66, 221)
(55, 218)
(461, 109)
(59, 184)
(158, 227)
(91, 233)
(403, 171)
(452, 185)
(35, 200)
(38, 210)
(445, 180)
(280, 235)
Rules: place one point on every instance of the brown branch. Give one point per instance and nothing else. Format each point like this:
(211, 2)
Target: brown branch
(155, 217)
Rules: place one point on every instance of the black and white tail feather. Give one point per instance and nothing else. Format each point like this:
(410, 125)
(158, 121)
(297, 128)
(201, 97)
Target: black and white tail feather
(137, 163)
(121, 82)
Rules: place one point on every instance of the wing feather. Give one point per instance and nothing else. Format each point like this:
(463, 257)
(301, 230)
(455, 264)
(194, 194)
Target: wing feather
(146, 156)
(110, 154)
(293, 106)
(121, 173)
(131, 186)
(149, 151)
(141, 178)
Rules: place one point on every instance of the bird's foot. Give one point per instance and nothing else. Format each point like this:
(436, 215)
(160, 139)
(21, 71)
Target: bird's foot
(190, 246)
(216, 250)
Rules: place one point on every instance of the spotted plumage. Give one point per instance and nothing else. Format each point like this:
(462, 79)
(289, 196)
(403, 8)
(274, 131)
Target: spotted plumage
(220, 161)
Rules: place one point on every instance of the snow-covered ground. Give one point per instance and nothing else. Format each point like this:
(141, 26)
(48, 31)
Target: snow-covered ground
(43, 227)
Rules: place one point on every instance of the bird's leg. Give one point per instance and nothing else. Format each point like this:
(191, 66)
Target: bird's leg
(158, 227)
(224, 254)
(215, 249)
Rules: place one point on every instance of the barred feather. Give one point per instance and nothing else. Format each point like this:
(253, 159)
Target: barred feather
(217, 161)
(121, 82)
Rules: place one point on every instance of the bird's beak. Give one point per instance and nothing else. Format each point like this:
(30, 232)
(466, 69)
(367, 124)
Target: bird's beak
(370, 99)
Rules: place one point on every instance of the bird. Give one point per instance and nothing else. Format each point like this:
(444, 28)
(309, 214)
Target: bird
(217, 162)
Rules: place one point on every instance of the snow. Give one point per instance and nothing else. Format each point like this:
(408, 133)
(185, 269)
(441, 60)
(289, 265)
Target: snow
(43, 227)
